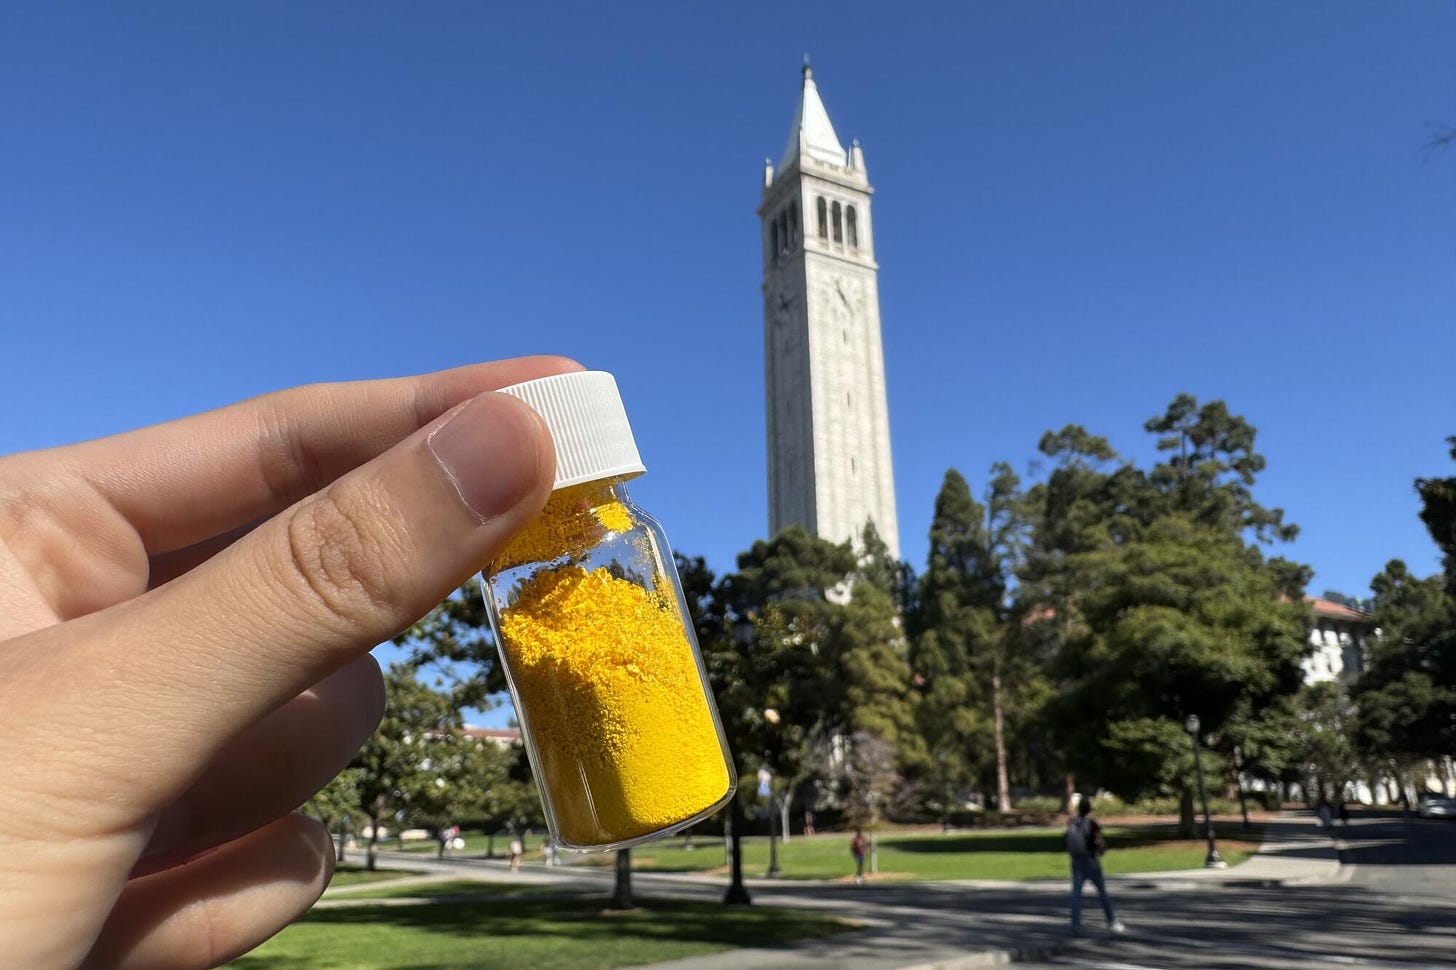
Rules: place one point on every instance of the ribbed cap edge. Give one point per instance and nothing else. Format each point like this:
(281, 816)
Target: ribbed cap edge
(588, 425)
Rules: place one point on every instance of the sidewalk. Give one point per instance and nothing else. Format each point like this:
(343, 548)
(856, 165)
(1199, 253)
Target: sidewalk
(942, 926)
(951, 925)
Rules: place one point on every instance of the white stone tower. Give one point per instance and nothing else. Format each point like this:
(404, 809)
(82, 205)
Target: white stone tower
(828, 423)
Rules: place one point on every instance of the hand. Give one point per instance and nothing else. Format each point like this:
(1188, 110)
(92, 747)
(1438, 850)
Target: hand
(186, 614)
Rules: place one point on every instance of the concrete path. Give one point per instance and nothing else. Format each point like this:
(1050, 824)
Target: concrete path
(918, 926)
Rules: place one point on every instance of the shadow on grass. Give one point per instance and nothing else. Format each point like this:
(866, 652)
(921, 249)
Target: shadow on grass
(582, 920)
(458, 887)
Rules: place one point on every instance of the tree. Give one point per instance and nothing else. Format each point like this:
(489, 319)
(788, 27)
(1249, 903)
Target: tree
(622, 884)
(1325, 734)
(813, 652)
(454, 638)
(1162, 601)
(418, 766)
(1407, 692)
(336, 806)
(869, 650)
(958, 595)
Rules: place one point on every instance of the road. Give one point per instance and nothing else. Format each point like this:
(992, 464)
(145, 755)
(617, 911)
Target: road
(1393, 906)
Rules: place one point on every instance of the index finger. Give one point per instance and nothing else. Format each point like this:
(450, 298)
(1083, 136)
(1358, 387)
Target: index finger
(186, 481)
(169, 677)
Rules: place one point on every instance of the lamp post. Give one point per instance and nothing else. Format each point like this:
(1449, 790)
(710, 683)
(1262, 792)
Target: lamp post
(773, 845)
(1214, 860)
(737, 893)
(765, 780)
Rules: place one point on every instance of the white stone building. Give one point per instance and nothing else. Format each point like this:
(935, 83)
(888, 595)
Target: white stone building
(829, 466)
(1339, 638)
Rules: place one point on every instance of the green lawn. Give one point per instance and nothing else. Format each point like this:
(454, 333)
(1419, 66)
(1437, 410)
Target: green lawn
(1017, 854)
(564, 934)
(348, 874)
(1027, 853)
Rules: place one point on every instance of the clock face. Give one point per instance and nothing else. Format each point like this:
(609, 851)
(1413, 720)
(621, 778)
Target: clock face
(842, 298)
(779, 307)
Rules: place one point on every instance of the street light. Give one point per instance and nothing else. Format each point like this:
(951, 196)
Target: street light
(1214, 860)
(765, 783)
(737, 893)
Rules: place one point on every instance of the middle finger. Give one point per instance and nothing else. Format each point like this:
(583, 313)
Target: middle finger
(273, 767)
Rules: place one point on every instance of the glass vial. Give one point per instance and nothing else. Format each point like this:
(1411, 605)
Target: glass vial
(589, 619)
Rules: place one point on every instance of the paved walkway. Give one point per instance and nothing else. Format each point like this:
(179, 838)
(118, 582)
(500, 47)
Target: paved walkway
(950, 925)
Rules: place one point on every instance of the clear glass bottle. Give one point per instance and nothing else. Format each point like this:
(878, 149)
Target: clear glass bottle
(590, 622)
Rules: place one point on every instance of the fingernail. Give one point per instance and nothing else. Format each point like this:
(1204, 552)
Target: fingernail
(491, 450)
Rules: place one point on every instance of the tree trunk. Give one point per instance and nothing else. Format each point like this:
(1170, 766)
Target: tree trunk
(945, 793)
(373, 843)
(622, 893)
(343, 837)
(1003, 787)
(1187, 825)
(784, 816)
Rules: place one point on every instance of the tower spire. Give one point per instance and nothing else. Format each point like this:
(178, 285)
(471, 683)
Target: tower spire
(812, 133)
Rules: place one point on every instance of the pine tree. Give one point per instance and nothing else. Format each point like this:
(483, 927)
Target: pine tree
(959, 598)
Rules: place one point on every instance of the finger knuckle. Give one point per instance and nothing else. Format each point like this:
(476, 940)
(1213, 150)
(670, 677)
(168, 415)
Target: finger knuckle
(339, 553)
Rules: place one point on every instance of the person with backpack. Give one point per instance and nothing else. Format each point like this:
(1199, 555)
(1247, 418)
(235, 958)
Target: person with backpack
(1085, 845)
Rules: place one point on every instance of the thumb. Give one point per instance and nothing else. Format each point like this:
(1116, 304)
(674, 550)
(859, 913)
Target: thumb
(319, 584)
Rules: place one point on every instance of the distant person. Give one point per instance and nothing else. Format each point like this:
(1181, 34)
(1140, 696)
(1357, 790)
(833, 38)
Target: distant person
(516, 850)
(1344, 814)
(808, 822)
(447, 838)
(857, 847)
(1085, 845)
(1326, 817)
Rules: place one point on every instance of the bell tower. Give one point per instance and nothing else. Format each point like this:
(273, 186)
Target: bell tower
(829, 466)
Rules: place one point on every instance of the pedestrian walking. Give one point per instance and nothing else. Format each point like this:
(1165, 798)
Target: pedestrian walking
(516, 850)
(857, 847)
(1085, 846)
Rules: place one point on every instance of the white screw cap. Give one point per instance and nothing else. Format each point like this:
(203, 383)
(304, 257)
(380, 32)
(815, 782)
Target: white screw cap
(588, 425)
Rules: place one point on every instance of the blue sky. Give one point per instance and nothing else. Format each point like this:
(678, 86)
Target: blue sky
(1081, 210)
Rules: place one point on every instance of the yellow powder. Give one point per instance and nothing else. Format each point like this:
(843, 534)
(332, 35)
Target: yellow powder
(607, 679)
(574, 520)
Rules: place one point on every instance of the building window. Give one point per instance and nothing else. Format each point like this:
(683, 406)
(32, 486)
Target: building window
(823, 223)
(794, 224)
(783, 221)
(773, 229)
(838, 226)
(851, 228)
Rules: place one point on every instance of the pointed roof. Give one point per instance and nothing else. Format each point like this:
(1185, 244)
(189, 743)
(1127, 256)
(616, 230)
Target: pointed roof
(812, 133)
